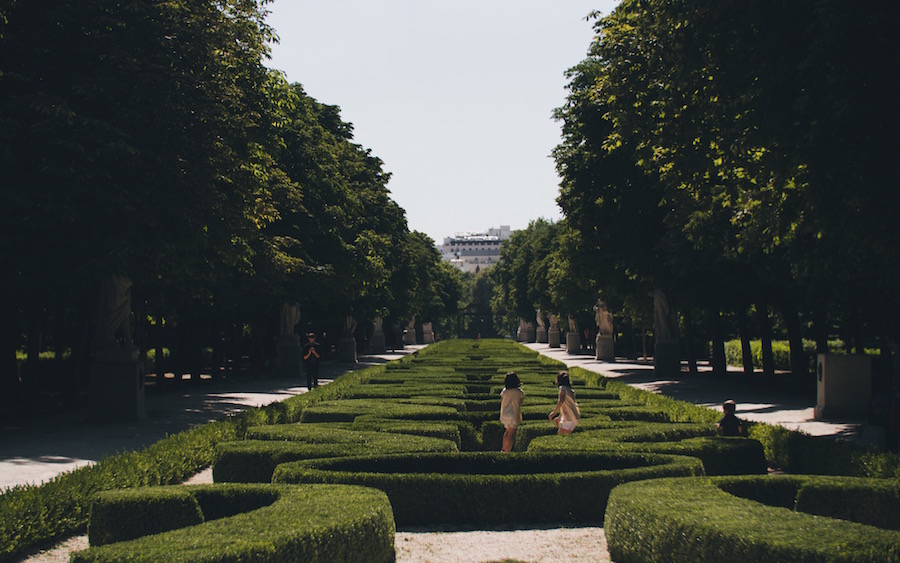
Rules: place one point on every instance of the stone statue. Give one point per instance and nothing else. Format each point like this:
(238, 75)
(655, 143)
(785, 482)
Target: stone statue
(573, 324)
(411, 326)
(114, 312)
(554, 322)
(349, 327)
(665, 325)
(377, 324)
(604, 319)
(540, 319)
(290, 316)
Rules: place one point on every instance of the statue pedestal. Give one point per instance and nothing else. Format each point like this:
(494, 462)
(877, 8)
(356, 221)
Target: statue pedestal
(843, 385)
(667, 357)
(530, 335)
(553, 337)
(428, 337)
(116, 385)
(573, 342)
(377, 343)
(605, 348)
(541, 335)
(346, 350)
(289, 353)
(409, 337)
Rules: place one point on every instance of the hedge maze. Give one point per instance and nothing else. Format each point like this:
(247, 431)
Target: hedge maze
(417, 443)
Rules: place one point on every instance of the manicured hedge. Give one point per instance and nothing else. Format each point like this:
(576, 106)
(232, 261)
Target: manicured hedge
(348, 410)
(720, 455)
(254, 461)
(696, 520)
(491, 488)
(265, 523)
(34, 515)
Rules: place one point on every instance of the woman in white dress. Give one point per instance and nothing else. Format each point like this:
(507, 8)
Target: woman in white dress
(511, 399)
(569, 415)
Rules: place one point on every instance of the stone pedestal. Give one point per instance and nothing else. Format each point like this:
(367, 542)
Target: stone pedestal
(843, 385)
(289, 357)
(428, 337)
(377, 343)
(116, 386)
(346, 350)
(667, 357)
(553, 337)
(605, 348)
(530, 335)
(573, 342)
(409, 337)
(541, 335)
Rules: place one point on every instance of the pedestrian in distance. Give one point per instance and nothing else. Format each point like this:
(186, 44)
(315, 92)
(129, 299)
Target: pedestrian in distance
(511, 399)
(312, 354)
(566, 414)
(729, 424)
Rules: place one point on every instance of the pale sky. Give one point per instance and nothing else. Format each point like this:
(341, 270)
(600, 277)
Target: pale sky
(455, 97)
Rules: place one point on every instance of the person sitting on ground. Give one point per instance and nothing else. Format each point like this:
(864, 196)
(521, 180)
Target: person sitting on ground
(566, 407)
(511, 399)
(729, 424)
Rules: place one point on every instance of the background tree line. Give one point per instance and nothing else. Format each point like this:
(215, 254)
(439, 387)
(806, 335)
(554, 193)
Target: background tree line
(738, 156)
(148, 139)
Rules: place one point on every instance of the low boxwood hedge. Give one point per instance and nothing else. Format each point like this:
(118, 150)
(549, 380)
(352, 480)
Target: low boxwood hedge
(720, 455)
(266, 523)
(348, 410)
(487, 488)
(698, 520)
(254, 461)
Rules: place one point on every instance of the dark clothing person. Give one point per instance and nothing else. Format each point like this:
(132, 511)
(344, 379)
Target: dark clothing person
(312, 353)
(730, 425)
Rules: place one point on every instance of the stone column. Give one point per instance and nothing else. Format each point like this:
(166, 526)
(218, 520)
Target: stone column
(377, 344)
(553, 333)
(604, 344)
(409, 335)
(346, 350)
(667, 343)
(116, 385)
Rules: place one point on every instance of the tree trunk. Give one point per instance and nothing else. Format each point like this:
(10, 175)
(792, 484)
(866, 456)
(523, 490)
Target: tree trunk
(765, 337)
(689, 341)
(746, 350)
(799, 360)
(820, 328)
(718, 359)
(9, 366)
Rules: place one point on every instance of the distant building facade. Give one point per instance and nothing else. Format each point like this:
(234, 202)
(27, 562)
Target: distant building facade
(471, 252)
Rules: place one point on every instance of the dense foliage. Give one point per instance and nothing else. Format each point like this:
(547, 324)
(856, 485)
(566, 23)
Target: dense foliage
(148, 139)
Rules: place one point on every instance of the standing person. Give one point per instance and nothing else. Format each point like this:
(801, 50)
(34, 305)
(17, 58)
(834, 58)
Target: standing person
(729, 424)
(511, 399)
(312, 353)
(566, 407)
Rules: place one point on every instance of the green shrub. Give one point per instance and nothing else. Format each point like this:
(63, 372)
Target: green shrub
(796, 452)
(34, 515)
(310, 523)
(695, 519)
(720, 455)
(133, 513)
(254, 461)
(348, 410)
(491, 488)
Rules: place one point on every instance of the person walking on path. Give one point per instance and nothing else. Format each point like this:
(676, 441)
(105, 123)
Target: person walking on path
(566, 407)
(311, 356)
(511, 399)
(729, 424)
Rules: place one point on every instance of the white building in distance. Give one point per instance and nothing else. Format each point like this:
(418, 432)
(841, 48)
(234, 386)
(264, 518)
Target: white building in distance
(471, 252)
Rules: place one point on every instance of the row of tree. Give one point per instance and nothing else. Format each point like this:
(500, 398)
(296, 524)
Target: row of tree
(738, 156)
(148, 139)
